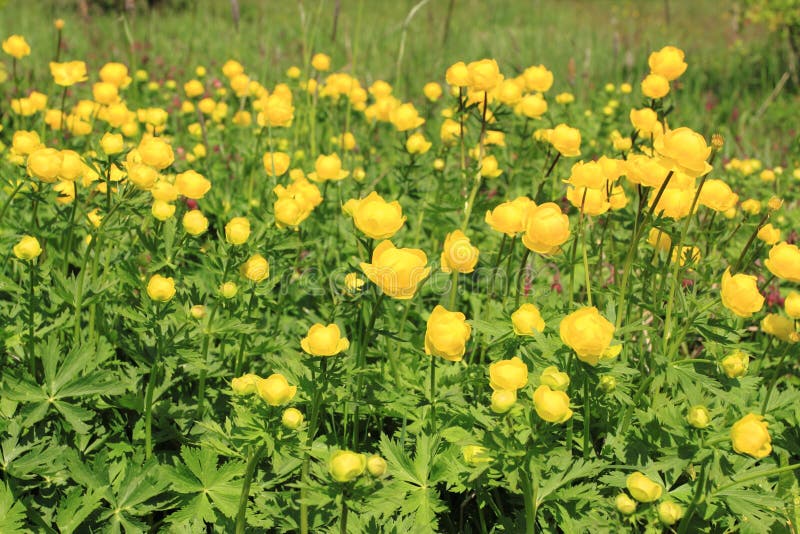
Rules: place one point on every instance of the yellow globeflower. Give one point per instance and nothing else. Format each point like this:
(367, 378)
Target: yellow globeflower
(397, 271)
(589, 334)
(375, 217)
(508, 374)
(256, 268)
(68, 73)
(346, 466)
(16, 46)
(447, 334)
(192, 184)
(642, 488)
(27, 248)
(275, 390)
(546, 228)
(552, 406)
(527, 320)
(784, 262)
(328, 168)
(749, 435)
(458, 254)
(740, 294)
(237, 231)
(324, 340)
(161, 288)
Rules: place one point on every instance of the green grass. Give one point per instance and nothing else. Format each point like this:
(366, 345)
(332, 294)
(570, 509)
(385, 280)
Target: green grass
(734, 65)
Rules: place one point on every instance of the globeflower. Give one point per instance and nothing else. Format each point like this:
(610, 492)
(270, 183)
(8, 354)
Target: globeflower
(345, 466)
(784, 262)
(255, 269)
(483, 75)
(509, 217)
(508, 374)
(192, 184)
(68, 73)
(275, 390)
(685, 150)
(655, 86)
(16, 46)
(396, 271)
(667, 62)
(566, 140)
(161, 288)
(735, 364)
(27, 248)
(328, 168)
(749, 435)
(546, 228)
(642, 488)
(447, 334)
(552, 406)
(589, 334)
(155, 152)
(527, 320)
(237, 231)
(538, 78)
(458, 254)
(740, 294)
(324, 340)
(375, 217)
(405, 117)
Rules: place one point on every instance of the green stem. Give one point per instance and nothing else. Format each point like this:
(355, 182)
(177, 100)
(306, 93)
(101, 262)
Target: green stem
(774, 381)
(7, 203)
(453, 289)
(587, 438)
(343, 517)
(528, 495)
(148, 409)
(698, 498)
(740, 260)
(31, 306)
(433, 395)
(521, 275)
(244, 497)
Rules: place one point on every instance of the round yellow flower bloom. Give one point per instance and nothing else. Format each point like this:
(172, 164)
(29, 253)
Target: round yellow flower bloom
(27, 248)
(552, 406)
(749, 435)
(645, 120)
(735, 364)
(509, 217)
(566, 140)
(458, 254)
(321, 62)
(161, 288)
(375, 217)
(417, 144)
(780, 327)
(291, 211)
(194, 222)
(45, 164)
(655, 86)
(68, 73)
(246, 384)
(376, 466)
(531, 106)
(667, 62)
(490, 168)
(192, 184)
(718, 196)
(396, 271)
(116, 74)
(792, 305)
(162, 210)
(589, 334)
(446, 334)
(155, 152)
(642, 488)
(328, 167)
(277, 111)
(483, 75)
(405, 117)
(508, 374)
(684, 150)
(784, 262)
(503, 400)
(657, 238)
(346, 466)
(587, 174)
(457, 74)
(292, 418)
(112, 143)
(256, 268)
(669, 512)
(24, 142)
(591, 202)
(198, 311)
(275, 390)
(698, 416)
(740, 294)
(324, 340)
(527, 320)
(555, 379)
(546, 228)
(538, 78)
(625, 505)
(237, 231)
(432, 91)
(769, 234)
(16, 46)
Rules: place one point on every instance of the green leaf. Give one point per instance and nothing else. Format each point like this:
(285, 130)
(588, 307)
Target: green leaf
(12, 513)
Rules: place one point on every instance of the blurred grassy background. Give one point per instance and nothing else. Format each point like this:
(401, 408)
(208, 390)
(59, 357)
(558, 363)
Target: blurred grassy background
(734, 65)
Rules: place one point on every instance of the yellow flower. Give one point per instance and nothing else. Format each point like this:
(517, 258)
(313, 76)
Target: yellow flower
(740, 294)
(256, 268)
(69, 73)
(490, 168)
(589, 334)
(290, 211)
(405, 117)
(432, 91)
(457, 75)
(780, 327)
(24, 142)
(659, 239)
(546, 228)
(352, 283)
(198, 311)
(16, 46)
(417, 144)
(655, 86)
(645, 120)
(192, 184)
(749, 435)
(276, 163)
(458, 254)
(784, 262)
(116, 74)
(508, 374)
(145, 177)
(346, 466)
(735, 364)
(397, 271)
(509, 217)
(161, 288)
(161, 210)
(642, 488)
(667, 62)
(769, 234)
(625, 504)
(292, 418)
(112, 143)
(684, 150)
(446, 334)
(792, 305)
(531, 106)
(698, 416)
(245, 385)
(194, 222)
(276, 111)
(321, 62)
(72, 166)
(566, 140)
(538, 78)
(45, 164)
(105, 93)
(155, 152)
(552, 406)
(475, 454)
(375, 217)
(228, 290)
(555, 379)
(483, 75)
(644, 170)
(503, 400)
(669, 512)
(275, 390)
(27, 248)
(674, 203)
(527, 320)
(565, 98)
(328, 167)
(717, 195)
(590, 201)
(589, 174)
(237, 231)
(324, 340)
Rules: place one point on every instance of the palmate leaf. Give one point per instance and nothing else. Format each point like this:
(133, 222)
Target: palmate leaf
(199, 479)
(549, 489)
(75, 508)
(12, 513)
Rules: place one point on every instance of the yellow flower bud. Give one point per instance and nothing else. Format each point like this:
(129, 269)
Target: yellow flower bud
(552, 406)
(194, 222)
(228, 289)
(503, 400)
(566, 140)
(255, 269)
(655, 86)
(555, 379)
(527, 320)
(740, 294)
(198, 311)
(458, 255)
(292, 418)
(475, 454)
(161, 288)
(192, 184)
(589, 334)
(642, 488)
(508, 374)
(275, 390)
(27, 248)
(667, 62)
(155, 152)
(669, 512)
(625, 504)
(376, 466)
(16, 46)
(447, 334)
(346, 466)
(698, 416)
(546, 228)
(792, 305)
(324, 340)
(237, 231)
(735, 364)
(245, 384)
